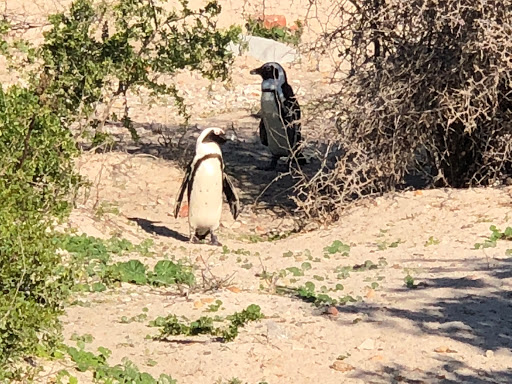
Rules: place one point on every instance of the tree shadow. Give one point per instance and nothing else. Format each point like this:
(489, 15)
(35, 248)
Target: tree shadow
(476, 312)
(160, 230)
(450, 371)
(243, 158)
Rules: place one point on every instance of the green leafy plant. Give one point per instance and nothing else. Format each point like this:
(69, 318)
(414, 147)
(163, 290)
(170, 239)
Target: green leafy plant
(215, 306)
(409, 282)
(337, 247)
(172, 326)
(36, 185)
(308, 293)
(167, 272)
(256, 27)
(140, 42)
(137, 318)
(496, 234)
(382, 245)
(103, 373)
(343, 272)
(431, 241)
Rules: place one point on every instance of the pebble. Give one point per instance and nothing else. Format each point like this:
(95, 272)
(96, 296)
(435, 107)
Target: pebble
(368, 344)
(275, 331)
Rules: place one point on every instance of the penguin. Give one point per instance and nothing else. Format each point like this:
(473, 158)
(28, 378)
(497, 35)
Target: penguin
(280, 125)
(206, 181)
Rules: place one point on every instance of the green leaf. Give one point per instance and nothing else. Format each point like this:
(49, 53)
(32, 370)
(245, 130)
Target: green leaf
(338, 247)
(132, 271)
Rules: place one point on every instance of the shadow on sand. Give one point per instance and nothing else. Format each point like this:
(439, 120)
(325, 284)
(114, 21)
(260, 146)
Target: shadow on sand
(160, 230)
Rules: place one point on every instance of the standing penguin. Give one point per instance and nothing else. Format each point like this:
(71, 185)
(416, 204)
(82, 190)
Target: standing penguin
(206, 182)
(280, 114)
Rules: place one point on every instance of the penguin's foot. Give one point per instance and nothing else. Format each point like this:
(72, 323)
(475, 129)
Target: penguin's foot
(194, 240)
(214, 240)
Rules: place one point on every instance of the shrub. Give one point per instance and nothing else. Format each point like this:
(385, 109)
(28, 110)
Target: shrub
(138, 44)
(428, 91)
(69, 76)
(36, 176)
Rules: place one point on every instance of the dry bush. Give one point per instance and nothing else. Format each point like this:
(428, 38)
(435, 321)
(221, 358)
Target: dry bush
(429, 90)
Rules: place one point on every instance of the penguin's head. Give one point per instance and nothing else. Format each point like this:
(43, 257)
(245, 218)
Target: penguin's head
(212, 135)
(272, 71)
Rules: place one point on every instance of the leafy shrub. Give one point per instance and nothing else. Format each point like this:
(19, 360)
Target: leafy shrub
(256, 27)
(428, 93)
(171, 326)
(68, 77)
(127, 372)
(139, 43)
(36, 177)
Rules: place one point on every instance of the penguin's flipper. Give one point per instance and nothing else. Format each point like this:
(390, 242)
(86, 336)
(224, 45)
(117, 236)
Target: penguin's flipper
(231, 196)
(263, 134)
(181, 192)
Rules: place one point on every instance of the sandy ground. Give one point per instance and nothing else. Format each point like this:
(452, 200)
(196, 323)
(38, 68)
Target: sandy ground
(454, 326)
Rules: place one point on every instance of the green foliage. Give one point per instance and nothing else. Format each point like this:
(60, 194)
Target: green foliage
(142, 42)
(132, 271)
(337, 247)
(171, 325)
(256, 27)
(431, 241)
(68, 76)
(127, 372)
(409, 282)
(382, 245)
(93, 269)
(496, 234)
(36, 179)
(215, 306)
(308, 293)
(167, 273)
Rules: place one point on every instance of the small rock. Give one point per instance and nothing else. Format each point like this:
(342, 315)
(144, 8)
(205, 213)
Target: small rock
(341, 366)
(489, 354)
(234, 289)
(332, 311)
(370, 293)
(376, 358)
(270, 21)
(444, 349)
(198, 304)
(208, 300)
(275, 331)
(236, 225)
(368, 344)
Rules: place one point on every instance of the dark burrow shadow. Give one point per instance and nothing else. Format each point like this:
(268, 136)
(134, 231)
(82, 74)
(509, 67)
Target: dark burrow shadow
(160, 230)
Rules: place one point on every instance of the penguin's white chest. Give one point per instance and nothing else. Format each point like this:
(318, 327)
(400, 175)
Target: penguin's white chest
(276, 133)
(205, 205)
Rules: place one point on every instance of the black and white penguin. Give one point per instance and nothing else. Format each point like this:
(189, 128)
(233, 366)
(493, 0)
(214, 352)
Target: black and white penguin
(280, 114)
(206, 182)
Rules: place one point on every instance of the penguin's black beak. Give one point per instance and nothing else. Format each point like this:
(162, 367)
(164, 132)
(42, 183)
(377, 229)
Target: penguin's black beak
(256, 71)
